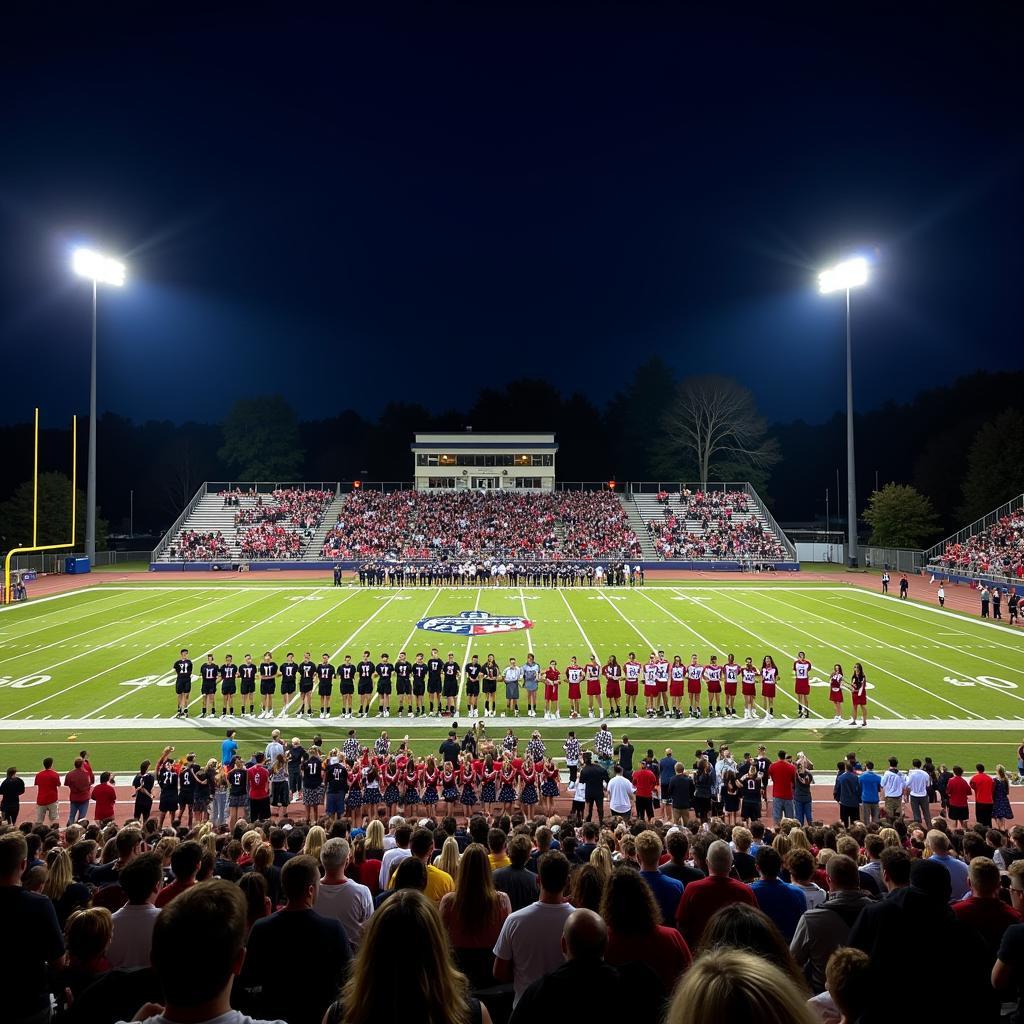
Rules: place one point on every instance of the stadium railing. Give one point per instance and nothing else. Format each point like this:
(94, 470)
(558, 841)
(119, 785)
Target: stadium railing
(177, 524)
(990, 519)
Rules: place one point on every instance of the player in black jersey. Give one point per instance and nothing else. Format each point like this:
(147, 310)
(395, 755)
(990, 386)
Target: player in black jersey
(474, 672)
(450, 687)
(403, 682)
(434, 665)
(228, 685)
(307, 679)
(268, 684)
(346, 685)
(289, 680)
(167, 777)
(490, 685)
(208, 686)
(385, 670)
(325, 684)
(419, 682)
(183, 682)
(247, 684)
(238, 790)
(364, 684)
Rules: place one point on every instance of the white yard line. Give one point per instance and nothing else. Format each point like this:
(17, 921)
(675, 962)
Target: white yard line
(87, 610)
(465, 659)
(852, 654)
(721, 650)
(526, 615)
(128, 661)
(591, 649)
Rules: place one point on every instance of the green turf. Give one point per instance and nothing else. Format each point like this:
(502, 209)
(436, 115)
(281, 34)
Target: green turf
(945, 682)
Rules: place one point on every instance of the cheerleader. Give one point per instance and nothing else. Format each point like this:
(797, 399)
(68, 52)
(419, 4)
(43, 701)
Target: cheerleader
(449, 787)
(507, 777)
(488, 789)
(430, 778)
(677, 686)
(389, 773)
(612, 673)
(411, 797)
(769, 680)
(549, 785)
(468, 777)
(528, 773)
(354, 800)
(835, 692)
(859, 694)
(371, 789)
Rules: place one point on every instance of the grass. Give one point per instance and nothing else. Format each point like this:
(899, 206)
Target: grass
(99, 659)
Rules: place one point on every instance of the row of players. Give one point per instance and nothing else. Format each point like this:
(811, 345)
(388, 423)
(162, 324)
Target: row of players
(472, 574)
(420, 683)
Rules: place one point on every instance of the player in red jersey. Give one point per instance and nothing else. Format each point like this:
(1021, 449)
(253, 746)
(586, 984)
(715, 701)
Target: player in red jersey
(859, 692)
(732, 678)
(769, 680)
(613, 687)
(677, 686)
(694, 674)
(802, 677)
(551, 678)
(632, 671)
(835, 691)
(748, 674)
(574, 677)
(592, 671)
(651, 684)
(713, 678)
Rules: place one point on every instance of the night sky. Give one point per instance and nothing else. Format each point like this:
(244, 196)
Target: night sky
(349, 210)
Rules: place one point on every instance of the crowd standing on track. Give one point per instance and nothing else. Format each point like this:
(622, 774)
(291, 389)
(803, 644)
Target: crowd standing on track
(703, 883)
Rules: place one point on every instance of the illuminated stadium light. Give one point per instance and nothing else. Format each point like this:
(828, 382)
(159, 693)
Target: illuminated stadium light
(98, 268)
(844, 276)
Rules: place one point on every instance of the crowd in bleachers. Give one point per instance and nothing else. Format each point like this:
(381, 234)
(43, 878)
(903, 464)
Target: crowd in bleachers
(193, 546)
(996, 551)
(301, 508)
(420, 524)
(270, 540)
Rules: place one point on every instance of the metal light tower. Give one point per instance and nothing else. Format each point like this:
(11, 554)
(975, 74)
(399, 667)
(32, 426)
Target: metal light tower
(100, 270)
(843, 277)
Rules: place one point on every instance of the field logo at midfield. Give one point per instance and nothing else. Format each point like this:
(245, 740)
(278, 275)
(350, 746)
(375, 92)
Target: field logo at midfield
(474, 623)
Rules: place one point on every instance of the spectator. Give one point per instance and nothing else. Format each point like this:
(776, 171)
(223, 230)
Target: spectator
(515, 880)
(421, 846)
(393, 857)
(529, 945)
(782, 773)
(185, 862)
(701, 899)
(667, 890)
(60, 887)
(128, 844)
(133, 924)
(677, 845)
(47, 782)
(801, 867)
(79, 784)
(784, 904)
(983, 910)
(338, 897)
(937, 843)
(87, 935)
(848, 977)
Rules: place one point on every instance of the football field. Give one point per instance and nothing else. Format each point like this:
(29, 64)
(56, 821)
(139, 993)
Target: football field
(92, 667)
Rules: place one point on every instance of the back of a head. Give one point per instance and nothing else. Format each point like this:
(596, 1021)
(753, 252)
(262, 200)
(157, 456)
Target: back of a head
(719, 858)
(937, 841)
(214, 911)
(553, 871)
(768, 862)
(496, 840)
(186, 858)
(13, 853)
(648, 849)
(334, 854)
(848, 980)
(741, 926)
(411, 873)
(422, 842)
(585, 935)
(843, 873)
(298, 874)
(628, 905)
(139, 877)
(88, 933)
(801, 865)
(519, 849)
(931, 878)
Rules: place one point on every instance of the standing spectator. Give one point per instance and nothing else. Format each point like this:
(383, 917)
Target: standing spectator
(339, 897)
(141, 880)
(937, 844)
(620, 793)
(515, 880)
(782, 774)
(645, 783)
(957, 792)
(981, 786)
(701, 899)
(105, 797)
(594, 778)
(666, 772)
(783, 903)
(12, 789)
(918, 783)
(803, 796)
(421, 846)
(529, 945)
(894, 786)
(666, 889)
(983, 910)
(325, 952)
(79, 786)
(847, 793)
(47, 782)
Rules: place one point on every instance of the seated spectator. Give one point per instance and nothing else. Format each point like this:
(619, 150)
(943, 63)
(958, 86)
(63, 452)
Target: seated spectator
(87, 935)
(185, 862)
(133, 924)
(61, 889)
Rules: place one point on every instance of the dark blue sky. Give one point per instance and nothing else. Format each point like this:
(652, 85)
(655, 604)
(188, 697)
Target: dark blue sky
(351, 210)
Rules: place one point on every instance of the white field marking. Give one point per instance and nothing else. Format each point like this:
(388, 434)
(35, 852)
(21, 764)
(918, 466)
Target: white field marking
(721, 650)
(87, 610)
(119, 640)
(904, 649)
(465, 657)
(32, 602)
(885, 671)
(906, 607)
(938, 643)
(526, 615)
(636, 629)
(103, 672)
(591, 649)
(65, 639)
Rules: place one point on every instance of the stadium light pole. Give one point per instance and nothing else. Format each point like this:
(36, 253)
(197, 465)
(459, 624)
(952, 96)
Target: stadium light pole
(100, 270)
(842, 277)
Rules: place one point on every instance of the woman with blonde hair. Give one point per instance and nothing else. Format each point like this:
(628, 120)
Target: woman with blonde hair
(1002, 812)
(473, 915)
(381, 983)
(782, 844)
(60, 887)
(375, 840)
(728, 984)
(448, 859)
(889, 836)
(601, 858)
(798, 840)
(315, 839)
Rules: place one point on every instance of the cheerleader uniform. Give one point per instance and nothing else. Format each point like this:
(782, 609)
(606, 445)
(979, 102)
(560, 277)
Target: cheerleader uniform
(549, 787)
(528, 797)
(391, 794)
(450, 787)
(731, 798)
(354, 800)
(412, 794)
(371, 792)
(313, 782)
(468, 798)
(487, 791)
(507, 795)
(430, 788)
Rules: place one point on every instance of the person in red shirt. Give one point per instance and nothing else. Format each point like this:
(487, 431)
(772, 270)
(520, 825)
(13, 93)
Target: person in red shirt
(47, 784)
(86, 767)
(185, 863)
(645, 782)
(105, 797)
(702, 899)
(259, 790)
(957, 792)
(782, 773)
(79, 791)
(981, 786)
(983, 910)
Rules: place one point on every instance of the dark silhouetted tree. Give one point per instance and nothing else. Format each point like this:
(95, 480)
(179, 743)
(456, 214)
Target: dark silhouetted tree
(900, 516)
(261, 440)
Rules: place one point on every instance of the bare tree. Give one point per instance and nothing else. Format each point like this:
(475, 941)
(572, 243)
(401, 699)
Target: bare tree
(713, 424)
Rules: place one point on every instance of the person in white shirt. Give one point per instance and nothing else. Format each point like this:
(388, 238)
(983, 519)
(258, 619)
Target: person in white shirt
(894, 786)
(918, 782)
(392, 858)
(339, 897)
(274, 747)
(132, 938)
(941, 594)
(620, 793)
(530, 942)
